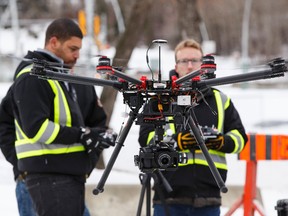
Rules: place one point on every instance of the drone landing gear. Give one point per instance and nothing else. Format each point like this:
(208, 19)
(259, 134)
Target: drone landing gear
(145, 180)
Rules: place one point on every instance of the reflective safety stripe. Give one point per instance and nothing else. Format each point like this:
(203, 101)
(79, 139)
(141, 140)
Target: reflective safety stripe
(170, 126)
(46, 132)
(217, 157)
(222, 102)
(61, 107)
(20, 136)
(238, 140)
(150, 137)
(24, 70)
(37, 149)
(41, 143)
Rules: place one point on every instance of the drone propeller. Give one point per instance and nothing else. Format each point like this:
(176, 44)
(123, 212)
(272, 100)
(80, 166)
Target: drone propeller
(16, 57)
(241, 66)
(52, 65)
(114, 60)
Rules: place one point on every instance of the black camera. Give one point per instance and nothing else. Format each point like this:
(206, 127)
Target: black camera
(162, 157)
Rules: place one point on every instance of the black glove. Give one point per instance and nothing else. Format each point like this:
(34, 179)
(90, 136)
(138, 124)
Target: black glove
(96, 139)
(186, 141)
(215, 143)
(107, 139)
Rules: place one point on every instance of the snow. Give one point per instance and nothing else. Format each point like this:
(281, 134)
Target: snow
(254, 105)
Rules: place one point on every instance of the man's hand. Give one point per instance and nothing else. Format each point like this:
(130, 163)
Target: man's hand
(215, 143)
(106, 139)
(186, 141)
(96, 139)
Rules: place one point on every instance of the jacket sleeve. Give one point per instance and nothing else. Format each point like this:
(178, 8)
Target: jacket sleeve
(33, 99)
(7, 132)
(235, 137)
(144, 133)
(145, 130)
(90, 106)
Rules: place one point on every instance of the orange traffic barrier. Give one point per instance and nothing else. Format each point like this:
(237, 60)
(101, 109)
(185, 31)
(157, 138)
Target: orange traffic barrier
(258, 147)
(265, 147)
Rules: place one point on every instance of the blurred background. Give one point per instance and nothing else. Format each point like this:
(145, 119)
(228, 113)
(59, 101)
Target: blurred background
(243, 36)
(250, 32)
(253, 30)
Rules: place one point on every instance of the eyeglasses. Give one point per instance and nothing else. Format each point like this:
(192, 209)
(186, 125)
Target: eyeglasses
(185, 62)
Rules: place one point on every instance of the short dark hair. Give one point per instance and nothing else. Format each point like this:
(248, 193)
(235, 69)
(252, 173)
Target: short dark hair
(63, 29)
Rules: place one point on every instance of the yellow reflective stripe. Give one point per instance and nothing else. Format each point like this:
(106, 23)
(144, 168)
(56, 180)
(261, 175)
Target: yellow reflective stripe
(204, 162)
(20, 134)
(24, 70)
(56, 101)
(171, 125)
(215, 152)
(50, 151)
(49, 130)
(219, 158)
(150, 137)
(61, 106)
(21, 137)
(220, 110)
(227, 104)
(21, 142)
(41, 131)
(212, 152)
(238, 140)
(17, 135)
(66, 106)
(54, 134)
(167, 126)
(45, 130)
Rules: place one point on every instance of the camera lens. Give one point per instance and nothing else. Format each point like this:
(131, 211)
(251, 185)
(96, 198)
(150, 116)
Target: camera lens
(164, 160)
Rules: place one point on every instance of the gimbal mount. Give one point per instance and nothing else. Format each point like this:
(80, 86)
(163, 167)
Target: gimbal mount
(137, 92)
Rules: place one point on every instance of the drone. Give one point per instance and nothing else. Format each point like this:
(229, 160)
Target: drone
(159, 95)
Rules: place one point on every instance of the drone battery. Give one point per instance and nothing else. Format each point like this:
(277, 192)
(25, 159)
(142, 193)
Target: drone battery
(184, 100)
(159, 85)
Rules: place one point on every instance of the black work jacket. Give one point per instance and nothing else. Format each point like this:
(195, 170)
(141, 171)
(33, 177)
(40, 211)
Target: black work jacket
(90, 114)
(195, 180)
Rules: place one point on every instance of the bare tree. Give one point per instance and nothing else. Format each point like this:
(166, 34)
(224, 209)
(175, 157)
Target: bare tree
(43, 9)
(125, 48)
(189, 19)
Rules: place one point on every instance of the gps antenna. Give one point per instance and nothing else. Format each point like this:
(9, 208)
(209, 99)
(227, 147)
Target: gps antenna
(159, 42)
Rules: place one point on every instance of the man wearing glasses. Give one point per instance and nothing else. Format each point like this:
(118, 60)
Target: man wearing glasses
(195, 192)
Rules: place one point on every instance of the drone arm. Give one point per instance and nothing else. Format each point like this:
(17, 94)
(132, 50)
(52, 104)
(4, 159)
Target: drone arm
(188, 77)
(195, 131)
(48, 74)
(126, 77)
(265, 74)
